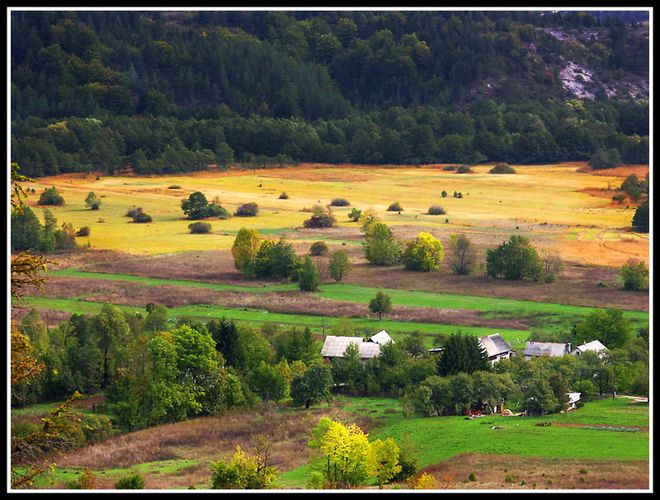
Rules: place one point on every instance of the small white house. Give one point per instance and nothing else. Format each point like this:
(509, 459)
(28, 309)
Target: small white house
(381, 338)
(593, 346)
(335, 347)
(496, 348)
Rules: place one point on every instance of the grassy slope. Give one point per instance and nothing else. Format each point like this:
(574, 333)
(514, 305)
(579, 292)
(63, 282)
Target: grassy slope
(440, 438)
(545, 315)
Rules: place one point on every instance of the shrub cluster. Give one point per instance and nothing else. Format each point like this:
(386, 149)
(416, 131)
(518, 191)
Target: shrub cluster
(318, 248)
(502, 168)
(395, 207)
(92, 201)
(27, 233)
(247, 210)
(196, 206)
(436, 210)
(83, 231)
(464, 169)
(199, 227)
(284, 196)
(272, 260)
(640, 221)
(340, 202)
(355, 214)
(140, 217)
(321, 217)
(515, 259)
(134, 482)
(51, 196)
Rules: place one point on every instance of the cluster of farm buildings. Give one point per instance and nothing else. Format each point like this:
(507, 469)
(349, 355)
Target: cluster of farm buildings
(494, 345)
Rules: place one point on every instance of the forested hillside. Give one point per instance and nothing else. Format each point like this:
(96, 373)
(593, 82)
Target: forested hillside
(175, 91)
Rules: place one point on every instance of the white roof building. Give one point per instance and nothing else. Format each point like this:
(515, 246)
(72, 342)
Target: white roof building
(335, 347)
(573, 399)
(495, 347)
(381, 338)
(594, 346)
(552, 349)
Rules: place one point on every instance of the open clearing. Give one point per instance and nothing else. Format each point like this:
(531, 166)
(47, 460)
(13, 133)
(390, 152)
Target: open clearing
(547, 203)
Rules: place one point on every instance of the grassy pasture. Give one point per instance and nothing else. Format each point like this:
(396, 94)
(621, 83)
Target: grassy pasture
(492, 205)
(544, 315)
(185, 448)
(438, 439)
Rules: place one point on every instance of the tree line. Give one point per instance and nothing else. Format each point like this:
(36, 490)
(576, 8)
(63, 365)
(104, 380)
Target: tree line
(528, 133)
(162, 92)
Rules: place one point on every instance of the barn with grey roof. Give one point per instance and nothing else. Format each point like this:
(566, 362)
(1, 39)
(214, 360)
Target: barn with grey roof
(552, 349)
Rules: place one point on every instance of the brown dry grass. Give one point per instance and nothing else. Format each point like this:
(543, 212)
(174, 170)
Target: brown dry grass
(294, 302)
(541, 473)
(209, 439)
(578, 284)
(623, 171)
(50, 317)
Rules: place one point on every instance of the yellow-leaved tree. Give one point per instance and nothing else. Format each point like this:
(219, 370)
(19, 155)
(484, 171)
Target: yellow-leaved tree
(349, 459)
(383, 460)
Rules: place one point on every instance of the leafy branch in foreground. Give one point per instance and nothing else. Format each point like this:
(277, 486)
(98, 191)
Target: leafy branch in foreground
(53, 436)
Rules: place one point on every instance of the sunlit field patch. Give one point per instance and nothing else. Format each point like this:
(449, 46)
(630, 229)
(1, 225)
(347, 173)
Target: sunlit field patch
(547, 203)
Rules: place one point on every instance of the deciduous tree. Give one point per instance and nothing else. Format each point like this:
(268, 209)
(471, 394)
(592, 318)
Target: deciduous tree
(423, 253)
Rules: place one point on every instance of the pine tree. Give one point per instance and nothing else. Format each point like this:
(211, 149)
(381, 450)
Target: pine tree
(462, 353)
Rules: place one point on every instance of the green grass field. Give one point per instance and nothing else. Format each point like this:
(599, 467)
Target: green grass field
(437, 439)
(544, 316)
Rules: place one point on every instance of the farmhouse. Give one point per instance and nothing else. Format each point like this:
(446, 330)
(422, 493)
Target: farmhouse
(552, 349)
(335, 347)
(496, 348)
(593, 346)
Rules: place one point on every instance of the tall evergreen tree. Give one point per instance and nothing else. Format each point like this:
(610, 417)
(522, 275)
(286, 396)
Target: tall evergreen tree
(462, 354)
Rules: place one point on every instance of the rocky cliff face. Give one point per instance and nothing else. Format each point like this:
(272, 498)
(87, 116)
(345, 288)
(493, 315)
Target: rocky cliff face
(584, 81)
